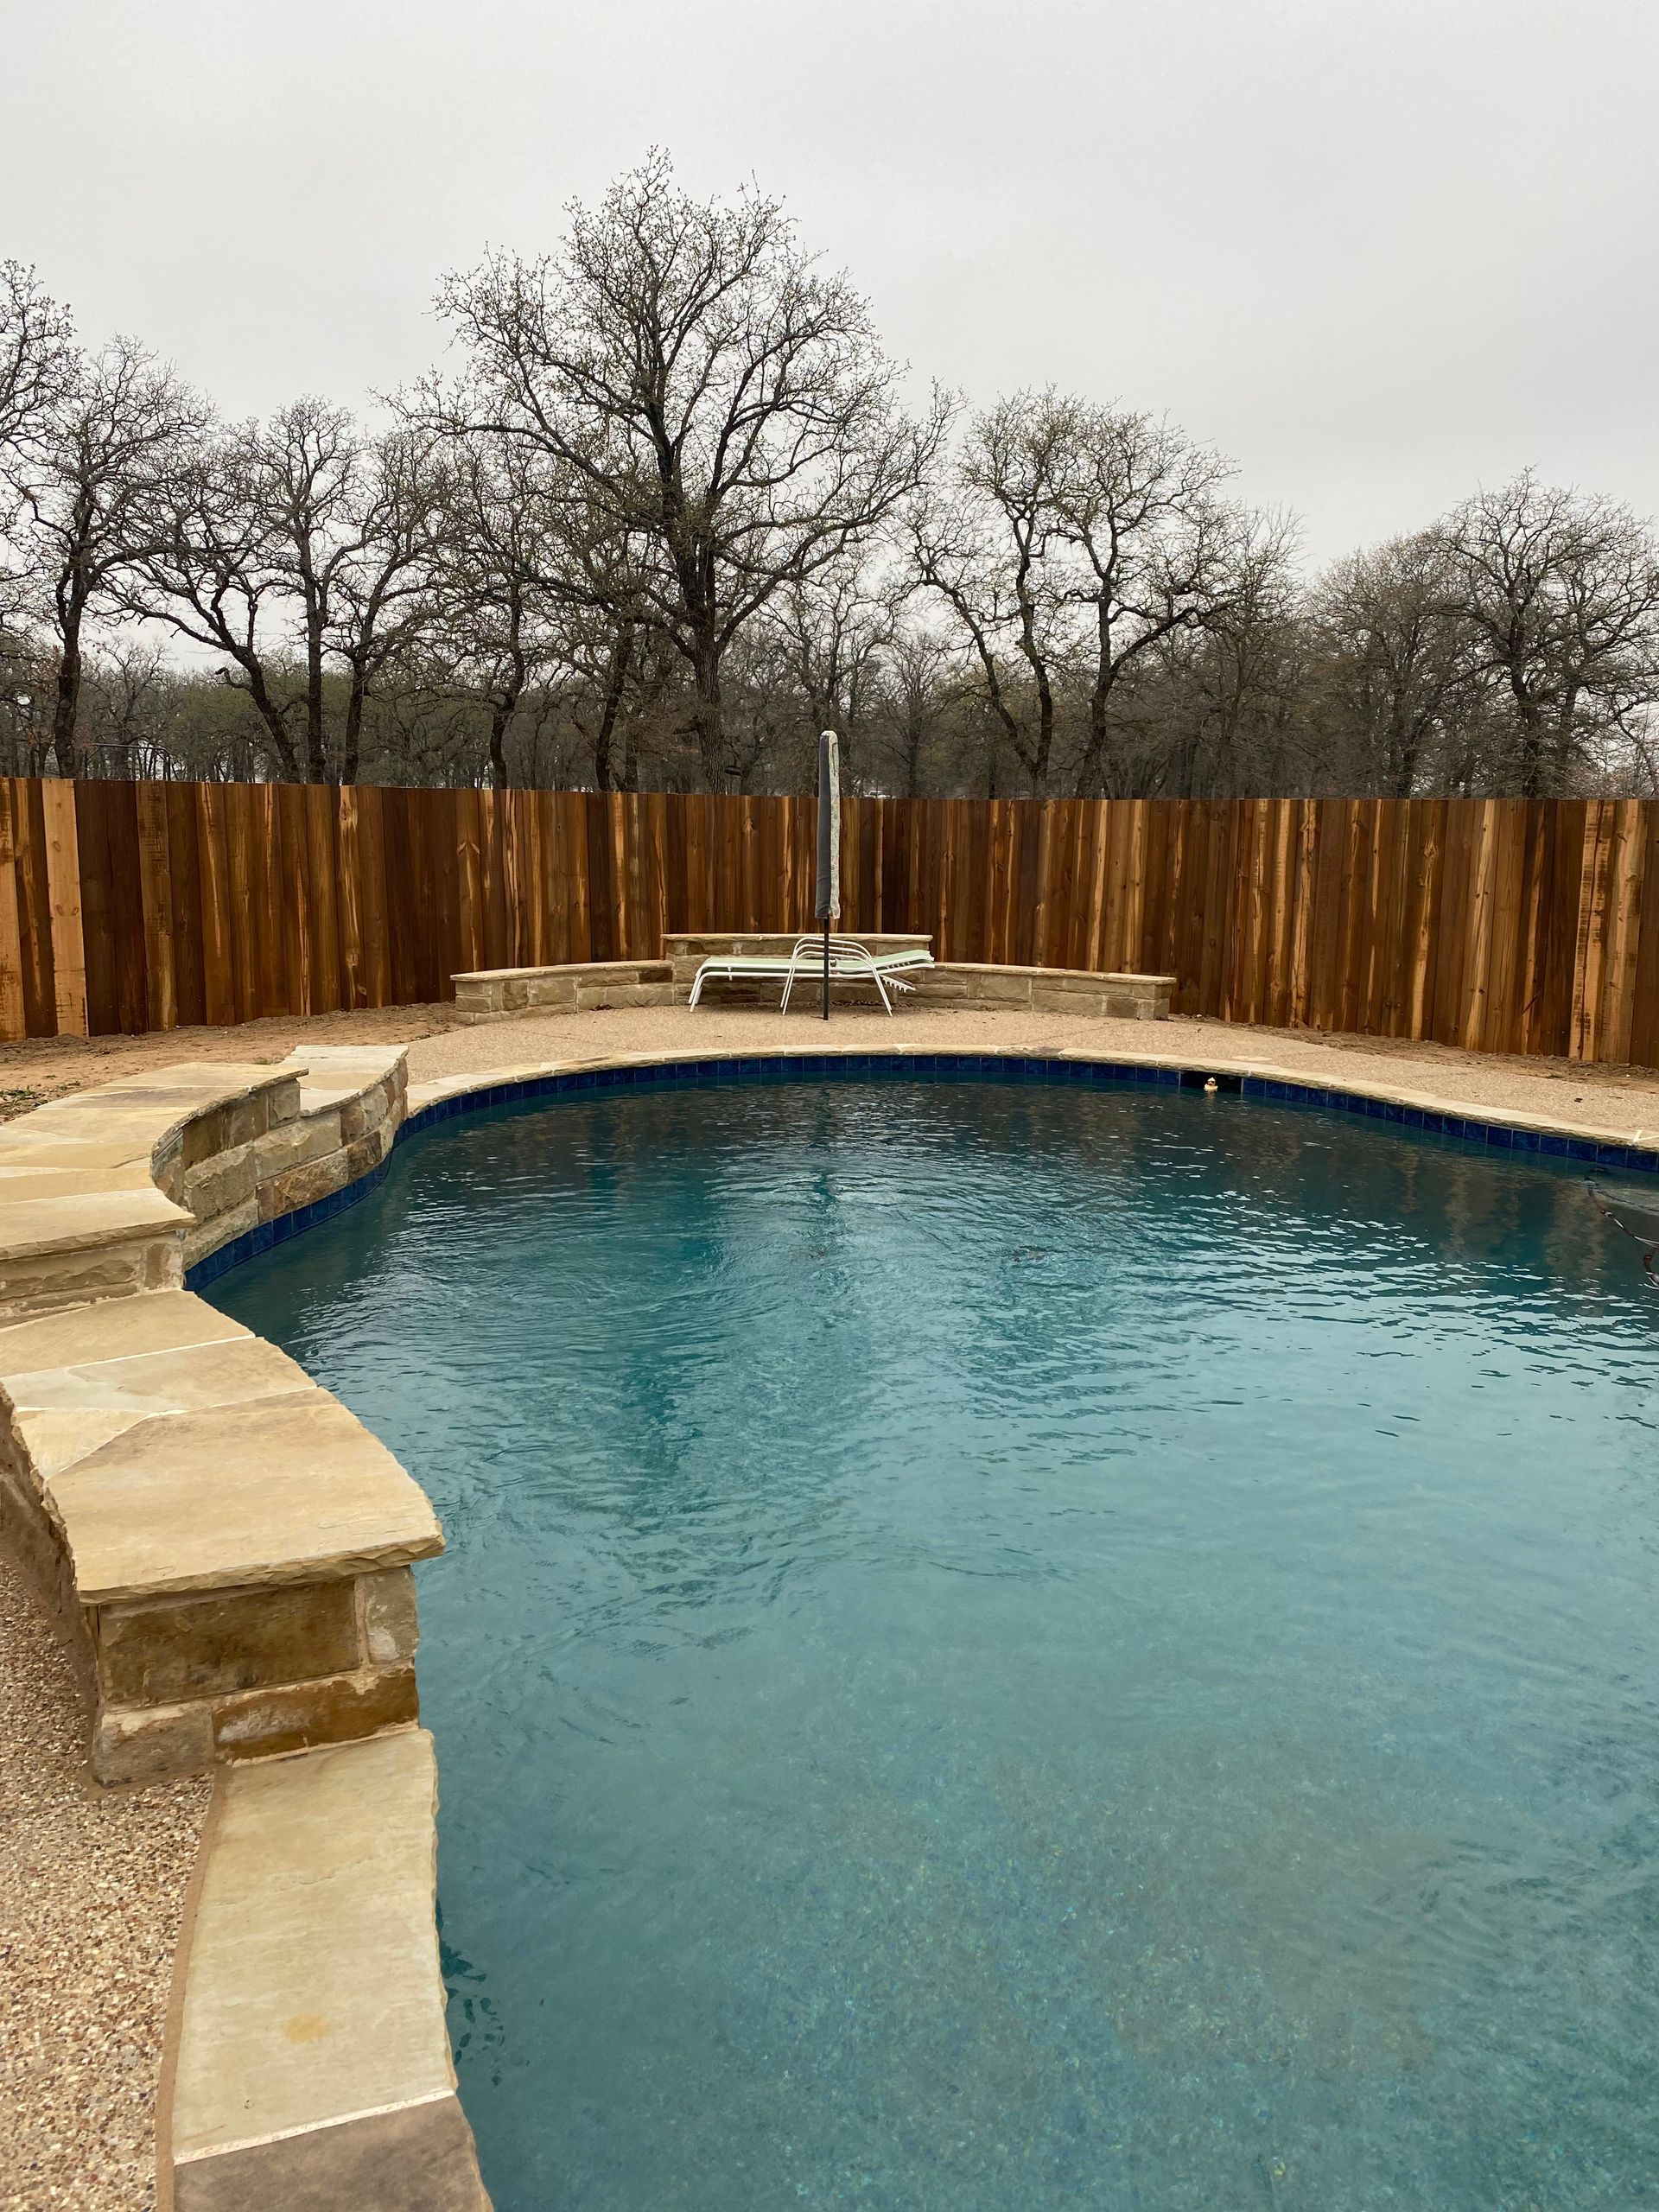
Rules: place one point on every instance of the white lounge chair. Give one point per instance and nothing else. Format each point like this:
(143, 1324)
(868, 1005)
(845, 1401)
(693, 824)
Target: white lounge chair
(850, 963)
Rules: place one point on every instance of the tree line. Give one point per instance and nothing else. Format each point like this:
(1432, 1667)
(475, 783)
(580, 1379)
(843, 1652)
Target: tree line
(671, 513)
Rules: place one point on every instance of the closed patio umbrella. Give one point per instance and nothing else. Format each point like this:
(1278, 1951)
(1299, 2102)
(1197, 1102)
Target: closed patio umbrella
(827, 907)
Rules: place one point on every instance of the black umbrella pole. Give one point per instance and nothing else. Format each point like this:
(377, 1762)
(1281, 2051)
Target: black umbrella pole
(826, 969)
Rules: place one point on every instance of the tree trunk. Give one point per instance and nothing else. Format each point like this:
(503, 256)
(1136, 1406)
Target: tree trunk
(265, 706)
(615, 683)
(1091, 769)
(316, 754)
(65, 707)
(707, 723)
(352, 749)
(1532, 746)
(501, 715)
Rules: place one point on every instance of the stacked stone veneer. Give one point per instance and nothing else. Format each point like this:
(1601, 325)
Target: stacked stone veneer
(229, 1546)
(490, 994)
(498, 994)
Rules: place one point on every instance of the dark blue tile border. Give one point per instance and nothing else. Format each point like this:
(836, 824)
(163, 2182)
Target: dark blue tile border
(682, 1075)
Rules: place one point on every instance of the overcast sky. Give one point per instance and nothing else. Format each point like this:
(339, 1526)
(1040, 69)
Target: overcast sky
(1378, 251)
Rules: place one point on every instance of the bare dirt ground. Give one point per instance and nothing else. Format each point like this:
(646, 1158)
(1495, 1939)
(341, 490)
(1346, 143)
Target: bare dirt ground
(92, 1881)
(50, 1067)
(92, 1884)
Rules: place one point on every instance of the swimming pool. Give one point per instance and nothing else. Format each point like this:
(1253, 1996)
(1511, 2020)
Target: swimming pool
(1010, 1647)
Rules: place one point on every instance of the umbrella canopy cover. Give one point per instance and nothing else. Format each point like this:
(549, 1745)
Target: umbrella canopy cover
(828, 908)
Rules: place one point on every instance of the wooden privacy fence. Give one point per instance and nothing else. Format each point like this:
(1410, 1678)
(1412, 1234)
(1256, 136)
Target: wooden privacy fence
(1506, 925)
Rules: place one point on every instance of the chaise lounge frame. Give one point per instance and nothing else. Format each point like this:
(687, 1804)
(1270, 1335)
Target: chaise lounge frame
(850, 963)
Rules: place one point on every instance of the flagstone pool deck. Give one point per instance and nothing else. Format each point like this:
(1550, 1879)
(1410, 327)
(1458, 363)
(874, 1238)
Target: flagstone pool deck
(92, 1882)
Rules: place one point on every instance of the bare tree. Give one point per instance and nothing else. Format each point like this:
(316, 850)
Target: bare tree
(86, 473)
(913, 714)
(827, 636)
(303, 542)
(986, 546)
(1075, 539)
(380, 604)
(37, 365)
(37, 353)
(208, 572)
(1560, 594)
(533, 584)
(728, 405)
(1393, 667)
(492, 551)
(1157, 549)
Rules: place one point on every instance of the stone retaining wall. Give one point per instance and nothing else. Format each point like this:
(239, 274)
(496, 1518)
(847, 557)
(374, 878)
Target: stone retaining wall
(499, 994)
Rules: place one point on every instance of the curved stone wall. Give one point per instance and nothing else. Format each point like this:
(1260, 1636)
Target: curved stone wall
(499, 994)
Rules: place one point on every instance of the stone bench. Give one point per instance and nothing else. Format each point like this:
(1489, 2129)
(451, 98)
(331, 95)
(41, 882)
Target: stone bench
(980, 985)
(499, 994)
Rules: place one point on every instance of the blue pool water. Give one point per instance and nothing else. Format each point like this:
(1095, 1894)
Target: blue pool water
(1005, 1648)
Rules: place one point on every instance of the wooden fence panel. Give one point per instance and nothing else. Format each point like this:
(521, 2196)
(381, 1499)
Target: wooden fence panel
(1503, 924)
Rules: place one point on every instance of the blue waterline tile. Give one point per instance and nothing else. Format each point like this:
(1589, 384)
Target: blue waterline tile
(266, 1235)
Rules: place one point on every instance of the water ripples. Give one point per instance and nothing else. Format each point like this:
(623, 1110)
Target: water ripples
(1010, 1648)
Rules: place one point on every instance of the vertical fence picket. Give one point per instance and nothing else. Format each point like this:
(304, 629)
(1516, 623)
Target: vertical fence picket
(14, 1010)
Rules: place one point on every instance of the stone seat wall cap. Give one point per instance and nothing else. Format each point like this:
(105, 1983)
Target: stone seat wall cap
(789, 937)
(23, 1178)
(281, 1489)
(52, 1442)
(226, 1076)
(599, 970)
(504, 974)
(1054, 975)
(199, 1084)
(26, 1144)
(31, 1227)
(384, 1057)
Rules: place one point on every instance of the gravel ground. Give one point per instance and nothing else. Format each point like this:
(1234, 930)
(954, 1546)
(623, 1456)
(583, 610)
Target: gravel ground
(92, 1888)
(1617, 1100)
